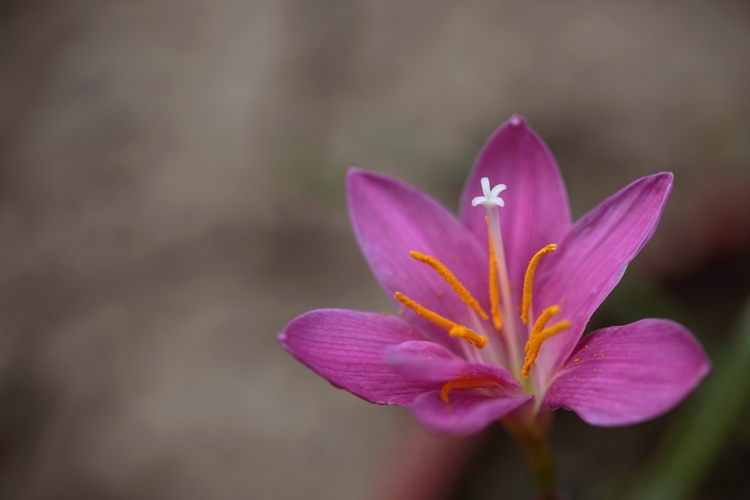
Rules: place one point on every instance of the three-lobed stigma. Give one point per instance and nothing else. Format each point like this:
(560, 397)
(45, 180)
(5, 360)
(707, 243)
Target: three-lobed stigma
(490, 197)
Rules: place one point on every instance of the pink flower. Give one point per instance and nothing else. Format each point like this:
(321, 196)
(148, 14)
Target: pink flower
(491, 323)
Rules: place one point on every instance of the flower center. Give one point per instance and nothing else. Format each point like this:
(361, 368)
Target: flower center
(500, 298)
(499, 282)
(540, 332)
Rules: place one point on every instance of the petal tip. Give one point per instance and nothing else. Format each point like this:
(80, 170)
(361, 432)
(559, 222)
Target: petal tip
(663, 182)
(356, 176)
(287, 338)
(354, 173)
(356, 179)
(665, 177)
(517, 120)
(705, 369)
(281, 337)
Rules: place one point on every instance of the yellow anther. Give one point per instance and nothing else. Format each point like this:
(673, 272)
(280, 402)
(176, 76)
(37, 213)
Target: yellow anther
(469, 383)
(497, 319)
(451, 279)
(454, 329)
(541, 322)
(468, 334)
(528, 280)
(539, 334)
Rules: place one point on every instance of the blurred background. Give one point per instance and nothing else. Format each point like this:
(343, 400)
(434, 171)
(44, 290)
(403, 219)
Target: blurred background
(171, 195)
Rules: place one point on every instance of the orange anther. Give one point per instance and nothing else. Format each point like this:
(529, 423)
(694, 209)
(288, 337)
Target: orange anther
(469, 383)
(451, 279)
(454, 329)
(528, 281)
(497, 319)
(539, 334)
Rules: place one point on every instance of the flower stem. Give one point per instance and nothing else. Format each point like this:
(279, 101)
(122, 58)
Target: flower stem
(531, 433)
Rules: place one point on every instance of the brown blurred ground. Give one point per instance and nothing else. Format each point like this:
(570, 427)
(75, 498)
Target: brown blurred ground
(171, 194)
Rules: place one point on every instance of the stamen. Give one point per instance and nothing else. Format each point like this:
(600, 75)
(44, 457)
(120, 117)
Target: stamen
(539, 334)
(449, 277)
(497, 319)
(454, 329)
(468, 383)
(541, 322)
(528, 280)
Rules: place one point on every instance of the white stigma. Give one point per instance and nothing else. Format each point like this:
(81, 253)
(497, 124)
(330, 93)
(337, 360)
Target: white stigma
(490, 197)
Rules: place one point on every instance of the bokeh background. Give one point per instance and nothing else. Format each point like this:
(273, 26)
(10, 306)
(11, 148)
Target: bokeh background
(171, 195)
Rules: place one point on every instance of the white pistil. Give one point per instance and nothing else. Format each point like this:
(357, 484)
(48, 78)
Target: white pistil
(490, 198)
(491, 201)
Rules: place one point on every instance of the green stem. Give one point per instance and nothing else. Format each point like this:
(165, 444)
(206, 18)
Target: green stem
(531, 432)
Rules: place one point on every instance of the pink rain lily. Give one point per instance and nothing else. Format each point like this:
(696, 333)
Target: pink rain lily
(493, 303)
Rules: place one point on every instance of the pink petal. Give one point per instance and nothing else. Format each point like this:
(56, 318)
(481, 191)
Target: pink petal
(591, 259)
(431, 362)
(627, 374)
(391, 218)
(536, 210)
(468, 412)
(346, 348)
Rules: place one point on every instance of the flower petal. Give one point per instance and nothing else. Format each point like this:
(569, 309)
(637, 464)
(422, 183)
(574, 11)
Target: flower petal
(391, 218)
(468, 412)
(346, 348)
(627, 374)
(591, 259)
(536, 210)
(431, 362)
